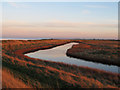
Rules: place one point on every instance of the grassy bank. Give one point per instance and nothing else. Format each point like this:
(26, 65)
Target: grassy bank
(106, 52)
(38, 73)
(12, 82)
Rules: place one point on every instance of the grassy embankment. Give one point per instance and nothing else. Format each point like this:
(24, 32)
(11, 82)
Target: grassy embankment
(103, 51)
(12, 82)
(38, 73)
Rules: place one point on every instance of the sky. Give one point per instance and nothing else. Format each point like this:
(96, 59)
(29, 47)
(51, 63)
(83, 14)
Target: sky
(83, 20)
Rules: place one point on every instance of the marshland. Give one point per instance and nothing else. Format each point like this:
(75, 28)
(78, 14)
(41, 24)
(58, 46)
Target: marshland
(40, 73)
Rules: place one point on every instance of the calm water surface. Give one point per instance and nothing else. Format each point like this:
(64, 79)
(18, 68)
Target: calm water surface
(58, 54)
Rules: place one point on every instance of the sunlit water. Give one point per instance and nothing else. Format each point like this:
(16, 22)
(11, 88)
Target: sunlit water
(58, 54)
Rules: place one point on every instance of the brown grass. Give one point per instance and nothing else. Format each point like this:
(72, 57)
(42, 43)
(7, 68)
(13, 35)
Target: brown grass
(9, 81)
(39, 73)
(106, 52)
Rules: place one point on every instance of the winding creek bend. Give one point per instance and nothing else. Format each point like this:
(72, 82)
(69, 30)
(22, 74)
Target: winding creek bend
(58, 54)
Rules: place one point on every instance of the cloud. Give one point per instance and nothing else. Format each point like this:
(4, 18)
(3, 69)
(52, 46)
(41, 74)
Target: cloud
(95, 6)
(59, 29)
(86, 12)
(66, 24)
(13, 23)
(104, 25)
(52, 24)
(58, 24)
(18, 5)
(13, 4)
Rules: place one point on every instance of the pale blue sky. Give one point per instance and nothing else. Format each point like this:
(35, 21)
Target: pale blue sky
(60, 20)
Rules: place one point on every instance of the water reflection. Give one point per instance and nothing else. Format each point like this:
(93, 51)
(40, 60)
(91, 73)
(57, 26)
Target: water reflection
(58, 54)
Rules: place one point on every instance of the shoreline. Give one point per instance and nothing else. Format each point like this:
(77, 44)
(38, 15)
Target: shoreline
(77, 51)
(69, 54)
(22, 53)
(30, 50)
(93, 60)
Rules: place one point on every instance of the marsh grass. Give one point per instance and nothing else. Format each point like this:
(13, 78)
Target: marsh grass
(106, 52)
(38, 73)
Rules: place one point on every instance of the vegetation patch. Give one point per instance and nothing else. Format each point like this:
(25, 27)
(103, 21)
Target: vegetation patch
(102, 51)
